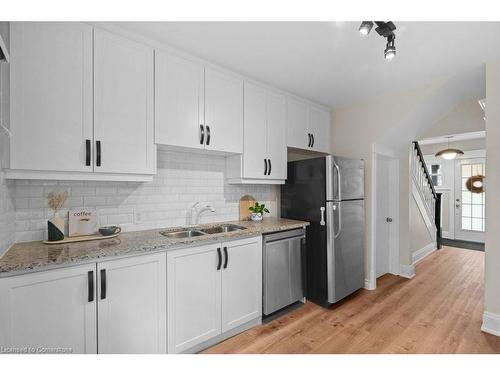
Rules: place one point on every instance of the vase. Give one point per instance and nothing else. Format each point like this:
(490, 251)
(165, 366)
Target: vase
(55, 228)
(256, 216)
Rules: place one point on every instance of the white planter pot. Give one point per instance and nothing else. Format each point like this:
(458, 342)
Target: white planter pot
(256, 216)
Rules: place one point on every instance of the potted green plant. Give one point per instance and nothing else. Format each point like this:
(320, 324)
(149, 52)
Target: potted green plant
(257, 211)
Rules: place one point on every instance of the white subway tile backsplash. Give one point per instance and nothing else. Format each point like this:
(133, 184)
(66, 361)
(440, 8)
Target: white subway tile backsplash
(182, 179)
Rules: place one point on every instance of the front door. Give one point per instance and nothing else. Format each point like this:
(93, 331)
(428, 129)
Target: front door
(469, 206)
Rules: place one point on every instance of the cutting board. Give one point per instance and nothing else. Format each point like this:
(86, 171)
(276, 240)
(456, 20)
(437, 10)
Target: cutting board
(246, 202)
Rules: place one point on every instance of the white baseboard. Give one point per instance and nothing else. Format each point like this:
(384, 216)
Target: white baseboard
(407, 271)
(370, 284)
(491, 323)
(420, 254)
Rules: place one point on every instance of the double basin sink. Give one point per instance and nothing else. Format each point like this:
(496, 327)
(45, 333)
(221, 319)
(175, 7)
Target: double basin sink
(196, 232)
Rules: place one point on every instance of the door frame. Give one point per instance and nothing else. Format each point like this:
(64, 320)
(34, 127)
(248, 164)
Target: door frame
(371, 280)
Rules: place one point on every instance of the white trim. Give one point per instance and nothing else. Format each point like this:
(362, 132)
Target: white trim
(454, 138)
(70, 176)
(420, 254)
(491, 323)
(406, 271)
(370, 284)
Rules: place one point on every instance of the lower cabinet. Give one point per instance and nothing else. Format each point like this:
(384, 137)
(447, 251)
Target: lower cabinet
(50, 310)
(124, 300)
(131, 296)
(212, 289)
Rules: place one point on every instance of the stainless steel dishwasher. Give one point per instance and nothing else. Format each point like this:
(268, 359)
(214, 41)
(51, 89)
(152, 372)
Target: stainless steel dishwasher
(283, 269)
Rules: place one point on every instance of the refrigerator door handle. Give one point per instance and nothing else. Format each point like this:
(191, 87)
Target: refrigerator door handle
(338, 208)
(336, 166)
(322, 221)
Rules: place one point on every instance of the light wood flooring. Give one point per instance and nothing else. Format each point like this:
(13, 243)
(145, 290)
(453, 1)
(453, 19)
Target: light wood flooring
(438, 311)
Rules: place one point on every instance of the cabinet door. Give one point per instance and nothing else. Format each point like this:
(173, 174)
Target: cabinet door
(193, 297)
(51, 309)
(276, 135)
(132, 305)
(51, 95)
(297, 124)
(223, 112)
(241, 282)
(179, 101)
(319, 127)
(255, 132)
(123, 105)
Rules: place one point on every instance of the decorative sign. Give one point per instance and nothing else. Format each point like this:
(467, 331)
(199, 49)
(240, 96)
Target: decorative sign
(82, 222)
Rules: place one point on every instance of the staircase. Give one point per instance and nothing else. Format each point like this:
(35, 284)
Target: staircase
(428, 201)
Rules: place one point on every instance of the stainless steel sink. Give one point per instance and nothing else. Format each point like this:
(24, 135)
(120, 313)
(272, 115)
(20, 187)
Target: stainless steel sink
(224, 228)
(189, 233)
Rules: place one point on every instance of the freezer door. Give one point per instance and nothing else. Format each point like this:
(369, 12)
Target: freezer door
(345, 248)
(345, 178)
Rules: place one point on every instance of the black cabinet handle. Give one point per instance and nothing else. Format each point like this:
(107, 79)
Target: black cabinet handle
(91, 285)
(208, 135)
(87, 152)
(219, 257)
(312, 144)
(226, 257)
(202, 134)
(103, 284)
(98, 153)
(270, 166)
(265, 167)
(309, 135)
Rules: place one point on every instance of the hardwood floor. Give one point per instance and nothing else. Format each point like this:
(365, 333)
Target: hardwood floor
(438, 311)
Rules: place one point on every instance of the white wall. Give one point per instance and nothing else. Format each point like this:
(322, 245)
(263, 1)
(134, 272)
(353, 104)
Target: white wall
(492, 248)
(7, 226)
(183, 178)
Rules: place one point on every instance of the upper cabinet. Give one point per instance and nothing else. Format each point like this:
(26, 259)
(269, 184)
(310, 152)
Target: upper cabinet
(179, 101)
(123, 105)
(308, 126)
(81, 101)
(51, 96)
(264, 151)
(197, 107)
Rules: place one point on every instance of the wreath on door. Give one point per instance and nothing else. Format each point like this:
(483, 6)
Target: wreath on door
(475, 184)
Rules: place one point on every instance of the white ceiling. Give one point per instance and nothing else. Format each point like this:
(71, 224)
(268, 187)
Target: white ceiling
(330, 62)
(454, 138)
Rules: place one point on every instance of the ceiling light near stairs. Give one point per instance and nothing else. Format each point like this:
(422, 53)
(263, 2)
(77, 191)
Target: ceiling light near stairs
(449, 153)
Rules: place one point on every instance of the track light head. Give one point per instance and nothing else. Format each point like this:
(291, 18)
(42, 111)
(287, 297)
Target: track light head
(390, 49)
(365, 27)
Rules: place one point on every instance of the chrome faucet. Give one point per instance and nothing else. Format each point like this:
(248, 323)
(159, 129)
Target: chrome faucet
(195, 212)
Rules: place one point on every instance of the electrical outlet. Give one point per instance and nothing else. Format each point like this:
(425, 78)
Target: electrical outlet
(137, 217)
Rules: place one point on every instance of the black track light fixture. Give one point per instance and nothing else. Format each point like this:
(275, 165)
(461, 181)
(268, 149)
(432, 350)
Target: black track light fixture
(385, 30)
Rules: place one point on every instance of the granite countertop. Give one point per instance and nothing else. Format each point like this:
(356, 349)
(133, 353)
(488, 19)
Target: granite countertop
(36, 256)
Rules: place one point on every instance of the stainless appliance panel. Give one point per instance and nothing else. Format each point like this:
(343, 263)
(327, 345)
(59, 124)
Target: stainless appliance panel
(344, 179)
(346, 244)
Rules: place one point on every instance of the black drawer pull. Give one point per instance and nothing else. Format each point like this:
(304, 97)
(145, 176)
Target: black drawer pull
(226, 257)
(208, 135)
(312, 144)
(270, 166)
(87, 152)
(265, 167)
(103, 284)
(91, 285)
(309, 135)
(202, 134)
(98, 153)
(219, 257)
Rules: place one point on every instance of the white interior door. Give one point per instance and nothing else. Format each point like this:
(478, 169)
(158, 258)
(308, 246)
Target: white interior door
(132, 313)
(469, 206)
(123, 105)
(386, 225)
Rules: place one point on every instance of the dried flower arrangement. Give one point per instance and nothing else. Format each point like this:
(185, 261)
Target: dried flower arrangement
(56, 200)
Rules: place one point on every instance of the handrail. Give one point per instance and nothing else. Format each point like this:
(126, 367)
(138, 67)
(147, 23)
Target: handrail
(426, 172)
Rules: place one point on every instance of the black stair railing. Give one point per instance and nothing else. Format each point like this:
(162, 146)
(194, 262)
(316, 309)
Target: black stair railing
(437, 196)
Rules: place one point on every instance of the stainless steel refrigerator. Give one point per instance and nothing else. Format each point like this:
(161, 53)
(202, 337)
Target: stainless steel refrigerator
(329, 193)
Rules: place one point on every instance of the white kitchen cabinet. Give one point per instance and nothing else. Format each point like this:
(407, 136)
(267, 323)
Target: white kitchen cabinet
(179, 101)
(194, 296)
(241, 282)
(50, 309)
(223, 112)
(264, 153)
(308, 126)
(51, 96)
(132, 306)
(123, 105)
(211, 290)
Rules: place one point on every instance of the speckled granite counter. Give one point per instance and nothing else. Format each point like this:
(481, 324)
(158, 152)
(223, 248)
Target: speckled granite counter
(35, 256)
